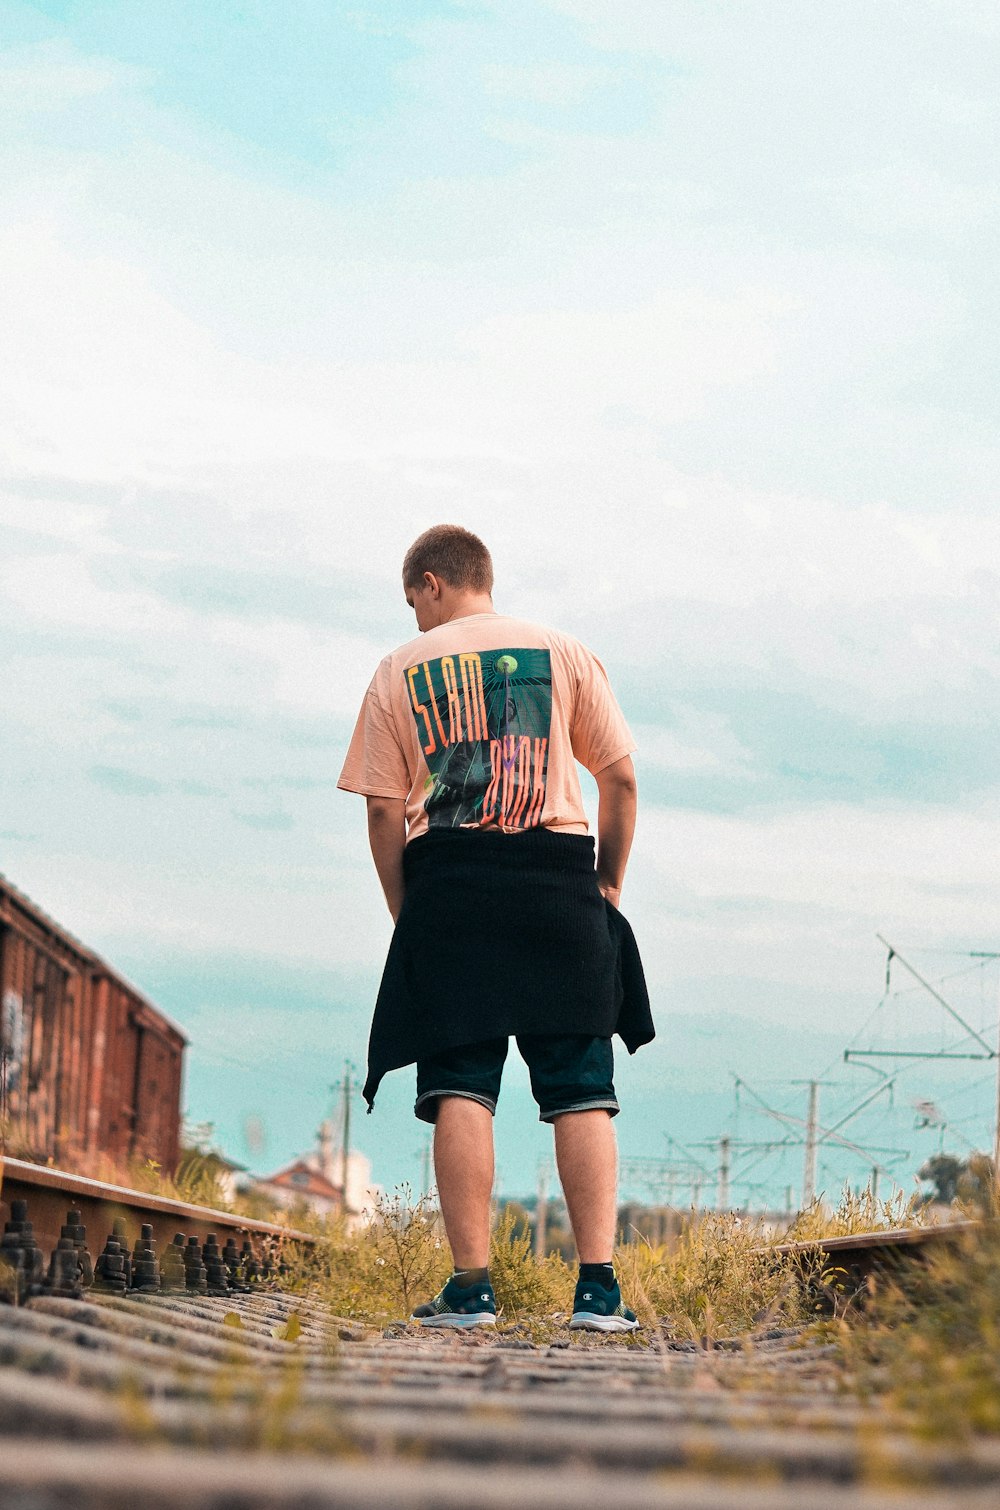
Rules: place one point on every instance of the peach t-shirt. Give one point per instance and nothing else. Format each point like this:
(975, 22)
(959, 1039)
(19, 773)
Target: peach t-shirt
(479, 724)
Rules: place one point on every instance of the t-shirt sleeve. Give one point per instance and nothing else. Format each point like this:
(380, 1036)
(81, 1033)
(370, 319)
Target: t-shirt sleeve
(598, 733)
(375, 765)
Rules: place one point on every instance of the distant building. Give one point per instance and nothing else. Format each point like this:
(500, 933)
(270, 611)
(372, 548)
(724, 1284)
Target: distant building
(302, 1181)
(317, 1178)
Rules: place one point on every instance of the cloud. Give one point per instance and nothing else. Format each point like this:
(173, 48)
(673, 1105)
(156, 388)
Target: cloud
(711, 378)
(80, 333)
(655, 359)
(266, 822)
(124, 783)
(790, 897)
(697, 742)
(548, 84)
(54, 518)
(50, 76)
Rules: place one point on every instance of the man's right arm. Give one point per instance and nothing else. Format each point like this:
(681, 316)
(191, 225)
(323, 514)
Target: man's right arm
(387, 837)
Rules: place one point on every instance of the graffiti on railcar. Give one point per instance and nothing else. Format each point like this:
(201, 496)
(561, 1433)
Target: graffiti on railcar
(11, 1040)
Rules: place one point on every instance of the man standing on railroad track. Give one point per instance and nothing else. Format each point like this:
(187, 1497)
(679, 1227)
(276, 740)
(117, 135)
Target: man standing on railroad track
(507, 925)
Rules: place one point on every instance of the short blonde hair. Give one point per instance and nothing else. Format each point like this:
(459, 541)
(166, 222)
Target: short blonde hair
(452, 553)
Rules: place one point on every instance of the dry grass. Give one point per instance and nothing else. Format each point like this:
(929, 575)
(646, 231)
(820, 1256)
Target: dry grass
(531, 1292)
(380, 1271)
(720, 1278)
(857, 1213)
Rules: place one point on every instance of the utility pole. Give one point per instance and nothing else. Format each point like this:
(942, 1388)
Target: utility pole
(726, 1147)
(345, 1150)
(542, 1210)
(661, 1176)
(812, 1123)
(988, 1052)
(722, 1197)
(818, 1134)
(874, 1183)
(427, 1180)
(985, 954)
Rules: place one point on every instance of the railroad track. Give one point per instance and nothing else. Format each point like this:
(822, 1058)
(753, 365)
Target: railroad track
(209, 1403)
(64, 1233)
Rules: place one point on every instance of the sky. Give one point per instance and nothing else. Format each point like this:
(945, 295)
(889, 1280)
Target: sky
(689, 310)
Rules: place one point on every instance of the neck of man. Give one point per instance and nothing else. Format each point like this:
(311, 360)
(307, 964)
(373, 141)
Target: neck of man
(456, 603)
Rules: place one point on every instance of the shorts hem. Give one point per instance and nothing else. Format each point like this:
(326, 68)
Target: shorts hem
(437, 1095)
(605, 1103)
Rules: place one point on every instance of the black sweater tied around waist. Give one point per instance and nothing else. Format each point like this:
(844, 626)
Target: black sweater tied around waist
(502, 934)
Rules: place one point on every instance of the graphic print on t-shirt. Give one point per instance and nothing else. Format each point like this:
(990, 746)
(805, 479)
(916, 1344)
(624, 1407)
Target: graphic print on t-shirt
(483, 720)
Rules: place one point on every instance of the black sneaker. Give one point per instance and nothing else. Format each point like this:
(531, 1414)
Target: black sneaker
(459, 1306)
(596, 1309)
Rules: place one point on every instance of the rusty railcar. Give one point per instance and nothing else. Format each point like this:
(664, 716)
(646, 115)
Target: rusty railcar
(90, 1071)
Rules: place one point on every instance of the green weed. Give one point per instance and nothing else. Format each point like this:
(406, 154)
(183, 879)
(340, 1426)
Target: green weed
(529, 1291)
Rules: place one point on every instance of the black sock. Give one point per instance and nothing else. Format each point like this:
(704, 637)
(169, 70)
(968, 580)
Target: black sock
(467, 1277)
(599, 1274)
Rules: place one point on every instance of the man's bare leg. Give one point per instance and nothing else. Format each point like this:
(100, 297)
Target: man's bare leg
(587, 1158)
(463, 1165)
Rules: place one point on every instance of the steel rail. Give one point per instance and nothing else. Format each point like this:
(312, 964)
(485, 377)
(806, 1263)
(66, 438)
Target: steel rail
(49, 1192)
(862, 1253)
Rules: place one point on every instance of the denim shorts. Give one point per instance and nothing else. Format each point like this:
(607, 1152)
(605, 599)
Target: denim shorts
(569, 1073)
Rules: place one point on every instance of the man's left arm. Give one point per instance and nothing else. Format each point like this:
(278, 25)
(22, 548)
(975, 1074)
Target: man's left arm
(617, 800)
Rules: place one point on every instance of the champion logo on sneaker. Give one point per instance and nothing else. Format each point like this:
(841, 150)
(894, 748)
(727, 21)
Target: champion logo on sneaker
(601, 1309)
(458, 1306)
